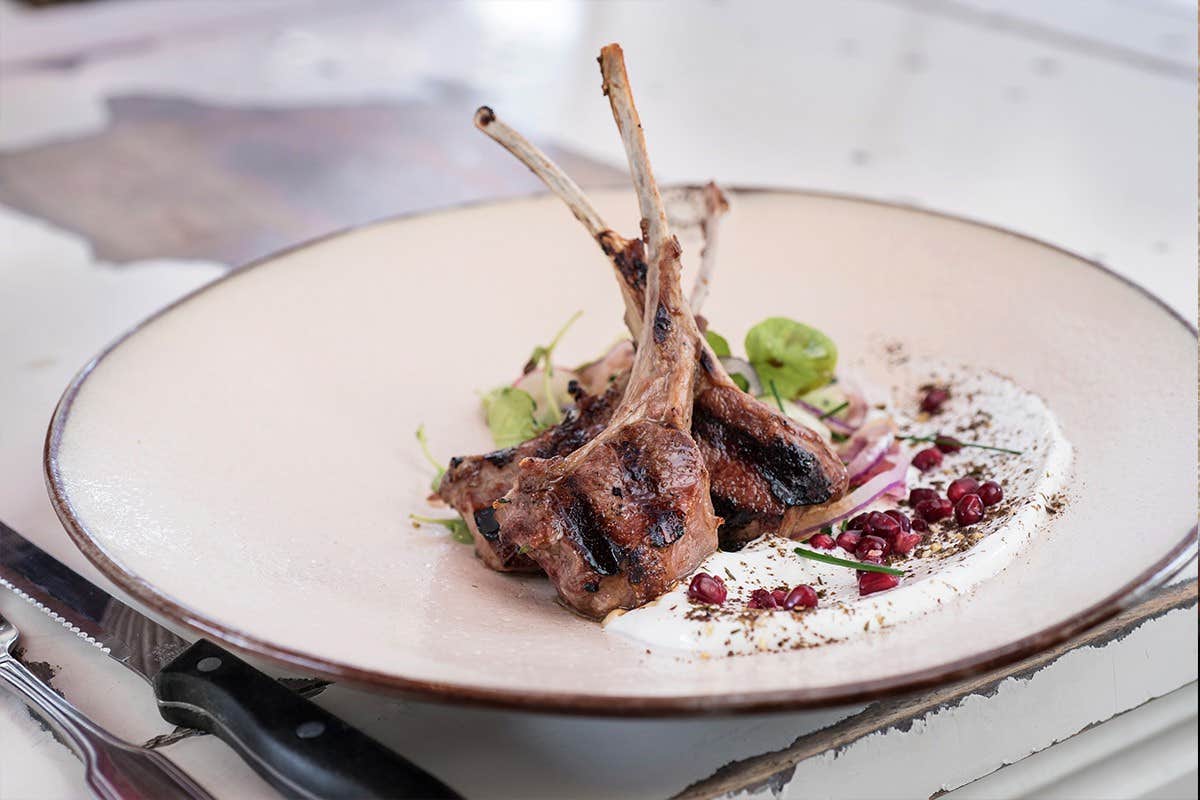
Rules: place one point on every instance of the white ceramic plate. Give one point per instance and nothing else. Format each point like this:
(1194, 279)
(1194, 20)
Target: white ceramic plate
(244, 462)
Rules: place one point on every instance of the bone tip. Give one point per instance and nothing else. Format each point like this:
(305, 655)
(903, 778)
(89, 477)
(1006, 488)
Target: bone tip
(611, 50)
(484, 116)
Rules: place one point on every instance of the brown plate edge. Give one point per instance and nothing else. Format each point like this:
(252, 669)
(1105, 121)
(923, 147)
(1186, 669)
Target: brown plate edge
(584, 704)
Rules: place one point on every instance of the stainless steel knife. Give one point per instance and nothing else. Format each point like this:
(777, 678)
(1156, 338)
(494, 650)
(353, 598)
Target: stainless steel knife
(295, 745)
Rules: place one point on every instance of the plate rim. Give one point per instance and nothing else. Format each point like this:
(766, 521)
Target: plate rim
(799, 698)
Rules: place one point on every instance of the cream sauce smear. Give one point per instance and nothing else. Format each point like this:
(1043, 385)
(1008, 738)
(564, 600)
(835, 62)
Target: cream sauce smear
(949, 563)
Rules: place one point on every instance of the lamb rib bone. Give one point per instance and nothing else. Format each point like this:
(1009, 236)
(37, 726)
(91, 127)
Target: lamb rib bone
(627, 255)
(618, 521)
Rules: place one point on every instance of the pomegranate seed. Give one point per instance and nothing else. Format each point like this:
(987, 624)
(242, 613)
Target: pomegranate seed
(761, 598)
(960, 487)
(933, 510)
(848, 540)
(872, 582)
(779, 596)
(899, 516)
(822, 541)
(947, 444)
(803, 596)
(933, 400)
(968, 510)
(882, 525)
(991, 493)
(905, 543)
(706, 588)
(927, 459)
(920, 495)
(859, 523)
(919, 524)
(872, 547)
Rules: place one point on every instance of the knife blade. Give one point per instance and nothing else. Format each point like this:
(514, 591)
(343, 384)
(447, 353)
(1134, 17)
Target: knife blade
(295, 745)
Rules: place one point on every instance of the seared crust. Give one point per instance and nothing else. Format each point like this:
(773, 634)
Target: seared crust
(615, 530)
(473, 483)
(760, 463)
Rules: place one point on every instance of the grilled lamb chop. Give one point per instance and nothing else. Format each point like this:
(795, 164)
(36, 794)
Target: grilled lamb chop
(618, 521)
(761, 463)
(473, 483)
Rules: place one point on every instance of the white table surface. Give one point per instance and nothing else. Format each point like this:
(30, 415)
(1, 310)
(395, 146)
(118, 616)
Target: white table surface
(1074, 122)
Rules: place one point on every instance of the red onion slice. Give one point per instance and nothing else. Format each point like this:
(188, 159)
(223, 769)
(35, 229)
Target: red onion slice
(866, 436)
(871, 454)
(800, 524)
(857, 411)
(741, 366)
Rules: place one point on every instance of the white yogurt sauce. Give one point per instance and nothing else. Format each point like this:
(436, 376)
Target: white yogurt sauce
(951, 561)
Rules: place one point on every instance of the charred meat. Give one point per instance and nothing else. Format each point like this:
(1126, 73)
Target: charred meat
(473, 483)
(618, 521)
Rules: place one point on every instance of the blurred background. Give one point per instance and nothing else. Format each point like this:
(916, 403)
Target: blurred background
(147, 146)
(220, 129)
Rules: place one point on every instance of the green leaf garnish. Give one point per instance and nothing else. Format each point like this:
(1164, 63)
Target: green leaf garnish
(542, 356)
(458, 529)
(796, 357)
(936, 439)
(834, 410)
(440, 470)
(775, 392)
(740, 380)
(718, 343)
(841, 562)
(509, 413)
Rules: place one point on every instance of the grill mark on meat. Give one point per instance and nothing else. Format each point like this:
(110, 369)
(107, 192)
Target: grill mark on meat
(706, 363)
(662, 324)
(734, 514)
(485, 521)
(635, 471)
(667, 528)
(586, 531)
(629, 259)
(634, 564)
(499, 458)
(792, 473)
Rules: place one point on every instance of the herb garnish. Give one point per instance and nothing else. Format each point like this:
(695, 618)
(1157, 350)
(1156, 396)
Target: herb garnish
(720, 348)
(459, 531)
(542, 355)
(509, 413)
(437, 478)
(938, 439)
(834, 410)
(797, 357)
(775, 392)
(718, 343)
(841, 562)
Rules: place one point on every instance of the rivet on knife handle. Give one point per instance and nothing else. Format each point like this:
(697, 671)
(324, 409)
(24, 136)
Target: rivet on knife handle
(295, 745)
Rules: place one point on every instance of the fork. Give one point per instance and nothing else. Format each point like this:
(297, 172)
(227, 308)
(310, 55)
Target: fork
(113, 769)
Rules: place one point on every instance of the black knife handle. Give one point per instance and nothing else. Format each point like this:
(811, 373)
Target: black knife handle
(295, 745)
